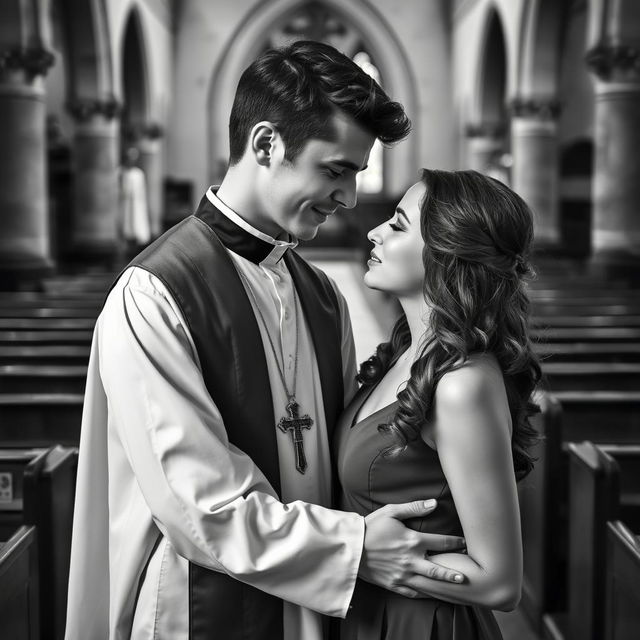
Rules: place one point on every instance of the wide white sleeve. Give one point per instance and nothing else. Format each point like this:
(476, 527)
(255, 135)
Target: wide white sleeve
(209, 498)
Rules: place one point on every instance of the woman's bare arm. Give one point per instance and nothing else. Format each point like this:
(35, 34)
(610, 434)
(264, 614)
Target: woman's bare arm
(472, 432)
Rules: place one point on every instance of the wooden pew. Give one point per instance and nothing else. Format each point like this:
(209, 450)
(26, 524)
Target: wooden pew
(42, 378)
(19, 586)
(622, 600)
(60, 354)
(542, 308)
(42, 312)
(585, 376)
(80, 283)
(574, 352)
(49, 494)
(30, 300)
(600, 416)
(578, 334)
(12, 465)
(47, 324)
(610, 418)
(584, 296)
(539, 514)
(44, 491)
(39, 420)
(575, 320)
(604, 485)
(44, 338)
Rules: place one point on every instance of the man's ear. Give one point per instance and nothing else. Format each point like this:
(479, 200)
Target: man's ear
(262, 138)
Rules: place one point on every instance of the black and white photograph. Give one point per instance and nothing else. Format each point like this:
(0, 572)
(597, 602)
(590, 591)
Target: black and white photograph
(319, 319)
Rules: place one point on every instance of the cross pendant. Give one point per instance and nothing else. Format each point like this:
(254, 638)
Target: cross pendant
(294, 424)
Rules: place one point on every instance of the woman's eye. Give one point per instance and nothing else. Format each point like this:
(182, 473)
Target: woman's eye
(395, 227)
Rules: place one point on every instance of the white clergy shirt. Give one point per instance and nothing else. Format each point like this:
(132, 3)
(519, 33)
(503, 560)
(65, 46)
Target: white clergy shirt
(159, 484)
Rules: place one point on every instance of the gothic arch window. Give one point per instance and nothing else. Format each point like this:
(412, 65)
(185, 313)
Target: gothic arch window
(317, 21)
(371, 180)
(134, 80)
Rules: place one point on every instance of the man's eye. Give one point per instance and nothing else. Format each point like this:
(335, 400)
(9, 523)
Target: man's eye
(334, 174)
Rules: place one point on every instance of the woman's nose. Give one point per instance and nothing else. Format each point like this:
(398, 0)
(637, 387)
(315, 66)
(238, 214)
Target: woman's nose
(375, 235)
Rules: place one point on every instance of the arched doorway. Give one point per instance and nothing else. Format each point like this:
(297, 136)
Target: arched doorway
(134, 81)
(488, 133)
(493, 77)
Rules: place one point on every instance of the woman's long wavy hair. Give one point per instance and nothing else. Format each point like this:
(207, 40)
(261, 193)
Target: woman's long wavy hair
(477, 236)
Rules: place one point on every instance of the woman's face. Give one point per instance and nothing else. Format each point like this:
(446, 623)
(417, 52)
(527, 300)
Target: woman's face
(395, 264)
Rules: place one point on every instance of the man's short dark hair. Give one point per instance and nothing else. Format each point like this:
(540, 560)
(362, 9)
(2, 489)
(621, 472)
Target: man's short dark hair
(299, 87)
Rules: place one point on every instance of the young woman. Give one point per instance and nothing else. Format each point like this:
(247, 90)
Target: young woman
(444, 408)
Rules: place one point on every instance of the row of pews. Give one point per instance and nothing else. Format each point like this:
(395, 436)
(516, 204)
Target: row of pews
(580, 522)
(45, 338)
(581, 505)
(37, 487)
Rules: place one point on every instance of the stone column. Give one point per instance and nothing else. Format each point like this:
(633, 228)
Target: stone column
(616, 184)
(534, 174)
(485, 145)
(151, 162)
(95, 161)
(24, 224)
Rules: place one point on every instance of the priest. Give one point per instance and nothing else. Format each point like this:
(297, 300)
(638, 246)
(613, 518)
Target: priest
(219, 365)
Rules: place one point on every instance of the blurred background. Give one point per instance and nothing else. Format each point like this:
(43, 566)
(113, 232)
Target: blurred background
(113, 123)
(543, 94)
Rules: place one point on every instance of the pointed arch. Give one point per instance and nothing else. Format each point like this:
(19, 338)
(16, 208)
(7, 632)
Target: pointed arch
(244, 46)
(540, 46)
(134, 73)
(90, 60)
(493, 71)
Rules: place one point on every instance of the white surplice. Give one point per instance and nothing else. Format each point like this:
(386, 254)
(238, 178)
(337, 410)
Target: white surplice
(159, 484)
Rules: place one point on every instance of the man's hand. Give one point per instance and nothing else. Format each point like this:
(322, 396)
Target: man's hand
(395, 557)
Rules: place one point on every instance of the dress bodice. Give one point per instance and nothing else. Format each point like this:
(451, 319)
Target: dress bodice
(371, 478)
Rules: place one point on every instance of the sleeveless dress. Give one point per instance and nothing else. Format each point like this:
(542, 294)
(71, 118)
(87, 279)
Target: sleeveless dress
(371, 480)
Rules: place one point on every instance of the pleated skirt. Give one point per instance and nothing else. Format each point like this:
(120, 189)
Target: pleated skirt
(377, 614)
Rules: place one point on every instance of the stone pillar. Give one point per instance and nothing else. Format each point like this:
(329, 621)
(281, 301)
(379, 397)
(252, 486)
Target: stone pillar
(24, 224)
(616, 183)
(94, 232)
(485, 145)
(151, 163)
(534, 174)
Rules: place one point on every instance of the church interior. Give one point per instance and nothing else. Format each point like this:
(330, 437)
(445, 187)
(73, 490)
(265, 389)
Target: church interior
(543, 95)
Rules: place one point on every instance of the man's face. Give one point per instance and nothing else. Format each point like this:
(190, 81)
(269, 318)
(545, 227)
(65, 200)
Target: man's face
(298, 196)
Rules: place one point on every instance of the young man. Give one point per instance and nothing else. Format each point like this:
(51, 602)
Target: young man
(219, 366)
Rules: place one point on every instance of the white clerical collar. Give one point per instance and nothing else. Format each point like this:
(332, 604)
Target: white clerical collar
(279, 246)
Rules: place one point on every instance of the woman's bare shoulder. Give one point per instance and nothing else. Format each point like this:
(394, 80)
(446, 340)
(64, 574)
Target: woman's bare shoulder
(470, 383)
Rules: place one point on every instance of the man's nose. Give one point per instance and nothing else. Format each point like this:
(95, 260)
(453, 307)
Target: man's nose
(347, 195)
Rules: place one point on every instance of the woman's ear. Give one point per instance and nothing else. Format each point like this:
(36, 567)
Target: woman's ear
(261, 140)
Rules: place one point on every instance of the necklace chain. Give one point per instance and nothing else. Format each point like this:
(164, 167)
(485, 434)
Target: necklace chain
(290, 394)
